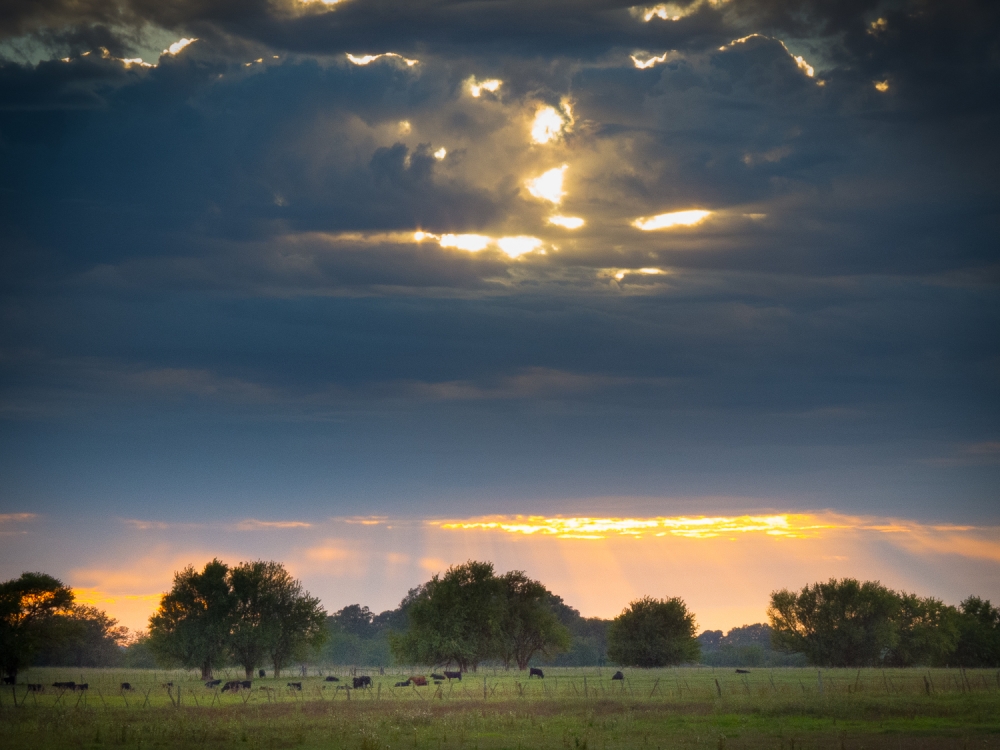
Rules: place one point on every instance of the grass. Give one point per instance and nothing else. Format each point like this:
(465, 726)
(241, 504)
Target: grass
(570, 708)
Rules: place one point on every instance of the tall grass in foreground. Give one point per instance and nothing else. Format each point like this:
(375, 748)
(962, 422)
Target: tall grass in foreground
(570, 708)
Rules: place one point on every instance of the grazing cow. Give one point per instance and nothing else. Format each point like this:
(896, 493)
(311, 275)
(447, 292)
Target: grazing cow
(64, 685)
(213, 683)
(742, 671)
(536, 672)
(362, 682)
(295, 685)
(33, 688)
(618, 676)
(419, 680)
(405, 683)
(453, 675)
(231, 685)
(126, 686)
(439, 682)
(9, 680)
(246, 684)
(261, 673)
(82, 686)
(331, 678)
(436, 676)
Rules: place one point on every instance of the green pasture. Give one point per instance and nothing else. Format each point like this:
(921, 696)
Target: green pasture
(570, 708)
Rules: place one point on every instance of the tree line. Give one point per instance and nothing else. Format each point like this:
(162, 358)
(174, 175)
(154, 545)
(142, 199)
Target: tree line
(256, 613)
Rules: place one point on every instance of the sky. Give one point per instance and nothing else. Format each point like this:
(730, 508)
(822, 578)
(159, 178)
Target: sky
(374, 288)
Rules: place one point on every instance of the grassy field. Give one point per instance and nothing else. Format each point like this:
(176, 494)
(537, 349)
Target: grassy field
(570, 708)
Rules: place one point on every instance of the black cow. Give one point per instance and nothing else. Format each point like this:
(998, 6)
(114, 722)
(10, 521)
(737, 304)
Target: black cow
(536, 672)
(246, 684)
(213, 683)
(363, 681)
(436, 676)
(64, 685)
(405, 683)
(126, 686)
(231, 685)
(261, 673)
(453, 675)
(742, 671)
(618, 676)
(331, 678)
(82, 686)
(295, 685)
(32, 688)
(9, 680)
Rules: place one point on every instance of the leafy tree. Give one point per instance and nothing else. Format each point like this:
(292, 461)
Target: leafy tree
(978, 642)
(454, 618)
(193, 623)
(274, 618)
(31, 610)
(928, 631)
(653, 633)
(299, 623)
(138, 654)
(528, 625)
(85, 637)
(842, 623)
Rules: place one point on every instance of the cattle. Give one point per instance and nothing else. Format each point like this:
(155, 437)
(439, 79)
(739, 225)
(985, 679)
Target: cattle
(536, 672)
(439, 682)
(295, 685)
(34, 688)
(9, 680)
(618, 676)
(246, 684)
(82, 686)
(331, 678)
(742, 671)
(436, 676)
(419, 680)
(261, 673)
(231, 685)
(453, 675)
(64, 685)
(126, 686)
(404, 683)
(362, 682)
(213, 683)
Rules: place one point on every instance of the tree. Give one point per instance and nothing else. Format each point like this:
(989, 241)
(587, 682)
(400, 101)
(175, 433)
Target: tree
(528, 625)
(85, 637)
(842, 623)
(454, 618)
(927, 632)
(300, 620)
(274, 618)
(31, 609)
(978, 642)
(193, 623)
(653, 633)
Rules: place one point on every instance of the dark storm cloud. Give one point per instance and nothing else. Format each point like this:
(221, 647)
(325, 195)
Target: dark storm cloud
(226, 238)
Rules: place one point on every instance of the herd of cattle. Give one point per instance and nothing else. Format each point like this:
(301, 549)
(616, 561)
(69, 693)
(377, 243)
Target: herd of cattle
(357, 683)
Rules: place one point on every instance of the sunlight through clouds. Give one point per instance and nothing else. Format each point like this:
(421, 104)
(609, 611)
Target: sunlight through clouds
(675, 219)
(550, 123)
(649, 62)
(476, 88)
(566, 222)
(368, 59)
(549, 185)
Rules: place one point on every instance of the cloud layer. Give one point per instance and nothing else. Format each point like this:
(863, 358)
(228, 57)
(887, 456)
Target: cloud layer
(434, 257)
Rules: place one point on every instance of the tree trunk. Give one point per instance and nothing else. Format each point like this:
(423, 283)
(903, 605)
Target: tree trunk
(249, 671)
(277, 670)
(206, 670)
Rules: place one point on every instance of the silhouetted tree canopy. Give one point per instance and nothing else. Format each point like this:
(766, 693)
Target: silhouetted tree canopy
(653, 633)
(32, 610)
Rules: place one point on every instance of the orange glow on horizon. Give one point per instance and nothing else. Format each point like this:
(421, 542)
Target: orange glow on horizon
(785, 525)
